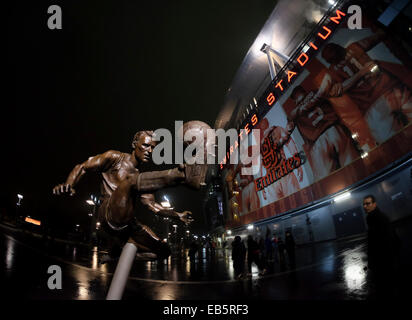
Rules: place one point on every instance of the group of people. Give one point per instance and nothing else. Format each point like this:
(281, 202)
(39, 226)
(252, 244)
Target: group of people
(196, 247)
(383, 246)
(262, 253)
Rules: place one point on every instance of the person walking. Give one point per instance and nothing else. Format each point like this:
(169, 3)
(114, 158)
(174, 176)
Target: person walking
(269, 249)
(383, 242)
(253, 256)
(383, 248)
(281, 248)
(275, 248)
(290, 248)
(238, 257)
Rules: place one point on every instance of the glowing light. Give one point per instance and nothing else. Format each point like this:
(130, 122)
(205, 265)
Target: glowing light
(342, 197)
(354, 277)
(90, 202)
(374, 68)
(165, 204)
(364, 155)
(250, 227)
(10, 254)
(33, 221)
(229, 232)
(95, 260)
(355, 135)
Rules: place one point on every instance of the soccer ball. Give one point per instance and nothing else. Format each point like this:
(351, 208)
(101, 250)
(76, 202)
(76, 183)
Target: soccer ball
(195, 128)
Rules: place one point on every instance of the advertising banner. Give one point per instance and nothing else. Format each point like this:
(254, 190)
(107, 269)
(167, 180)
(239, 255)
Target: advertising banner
(351, 95)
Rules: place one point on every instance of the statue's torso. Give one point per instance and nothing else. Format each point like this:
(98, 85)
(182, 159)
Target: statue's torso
(116, 173)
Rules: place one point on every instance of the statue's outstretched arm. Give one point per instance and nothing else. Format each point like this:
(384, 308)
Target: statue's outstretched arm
(96, 163)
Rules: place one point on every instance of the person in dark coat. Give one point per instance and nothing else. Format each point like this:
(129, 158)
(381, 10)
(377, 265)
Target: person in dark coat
(269, 248)
(290, 248)
(383, 250)
(281, 248)
(253, 253)
(275, 248)
(238, 257)
(192, 250)
(383, 242)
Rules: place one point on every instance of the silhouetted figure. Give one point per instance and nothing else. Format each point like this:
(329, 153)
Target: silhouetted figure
(269, 248)
(192, 250)
(290, 248)
(262, 251)
(275, 248)
(238, 257)
(213, 248)
(383, 247)
(224, 244)
(383, 243)
(253, 255)
(281, 247)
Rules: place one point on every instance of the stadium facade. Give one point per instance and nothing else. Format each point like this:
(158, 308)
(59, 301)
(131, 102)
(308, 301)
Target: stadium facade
(328, 87)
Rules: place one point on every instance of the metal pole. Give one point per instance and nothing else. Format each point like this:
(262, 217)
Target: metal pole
(122, 272)
(93, 224)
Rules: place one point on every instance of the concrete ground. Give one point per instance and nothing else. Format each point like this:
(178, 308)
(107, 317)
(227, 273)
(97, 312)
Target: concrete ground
(333, 270)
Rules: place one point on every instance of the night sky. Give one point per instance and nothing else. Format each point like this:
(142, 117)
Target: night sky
(115, 68)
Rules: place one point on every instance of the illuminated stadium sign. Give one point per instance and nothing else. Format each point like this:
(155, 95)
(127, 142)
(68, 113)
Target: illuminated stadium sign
(279, 85)
(303, 59)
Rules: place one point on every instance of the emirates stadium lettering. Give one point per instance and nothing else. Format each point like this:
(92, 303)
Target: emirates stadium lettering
(277, 166)
(304, 57)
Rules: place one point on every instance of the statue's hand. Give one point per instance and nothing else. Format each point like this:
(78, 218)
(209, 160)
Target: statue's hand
(63, 188)
(185, 216)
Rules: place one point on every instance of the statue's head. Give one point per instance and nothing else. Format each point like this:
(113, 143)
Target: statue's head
(143, 145)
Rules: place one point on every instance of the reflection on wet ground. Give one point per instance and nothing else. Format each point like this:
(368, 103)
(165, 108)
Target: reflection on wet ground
(329, 270)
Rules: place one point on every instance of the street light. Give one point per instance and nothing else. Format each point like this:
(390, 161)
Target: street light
(20, 197)
(93, 201)
(18, 204)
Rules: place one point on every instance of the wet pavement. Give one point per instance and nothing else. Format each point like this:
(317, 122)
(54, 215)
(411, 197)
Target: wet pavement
(333, 270)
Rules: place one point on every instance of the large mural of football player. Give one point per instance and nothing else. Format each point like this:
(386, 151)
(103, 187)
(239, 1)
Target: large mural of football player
(380, 89)
(329, 145)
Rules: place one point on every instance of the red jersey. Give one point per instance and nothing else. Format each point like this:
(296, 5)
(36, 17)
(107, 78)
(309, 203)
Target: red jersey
(316, 119)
